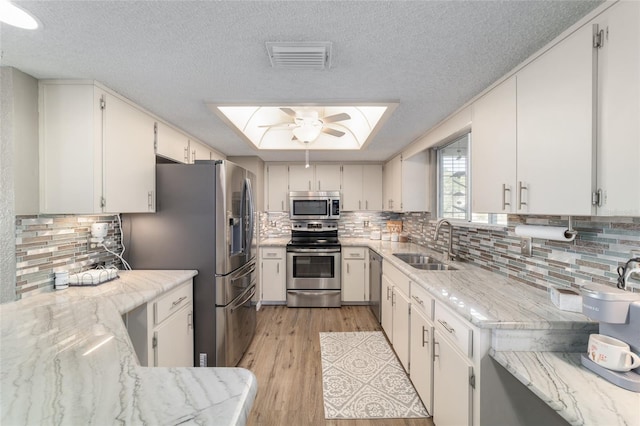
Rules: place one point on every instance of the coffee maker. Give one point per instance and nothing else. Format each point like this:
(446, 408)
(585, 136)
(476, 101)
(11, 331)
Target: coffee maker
(618, 312)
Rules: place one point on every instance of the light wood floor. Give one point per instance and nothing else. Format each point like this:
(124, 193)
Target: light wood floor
(285, 357)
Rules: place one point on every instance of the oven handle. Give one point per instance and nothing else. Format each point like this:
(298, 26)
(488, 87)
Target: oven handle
(318, 250)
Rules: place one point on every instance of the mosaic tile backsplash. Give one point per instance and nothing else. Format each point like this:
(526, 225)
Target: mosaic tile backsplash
(49, 244)
(46, 244)
(602, 244)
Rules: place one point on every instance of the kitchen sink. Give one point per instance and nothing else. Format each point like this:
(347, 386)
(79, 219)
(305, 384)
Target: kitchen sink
(423, 261)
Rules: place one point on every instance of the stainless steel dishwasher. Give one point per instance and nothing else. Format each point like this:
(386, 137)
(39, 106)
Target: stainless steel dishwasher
(375, 283)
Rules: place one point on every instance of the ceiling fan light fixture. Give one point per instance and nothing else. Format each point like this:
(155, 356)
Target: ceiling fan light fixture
(308, 131)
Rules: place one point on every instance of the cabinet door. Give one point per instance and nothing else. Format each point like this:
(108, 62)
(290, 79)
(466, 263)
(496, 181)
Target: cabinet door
(421, 357)
(555, 129)
(172, 144)
(328, 177)
(301, 178)
(387, 307)
(452, 393)
(372, 187)
(70, 156)
(619, 109)
(493, 156)
(401, 327)
(277, 188)
(354, 280)
(352, 187)
(174, 340)
(274, 286)
(199, 151)
(129, 175)
(392, 187)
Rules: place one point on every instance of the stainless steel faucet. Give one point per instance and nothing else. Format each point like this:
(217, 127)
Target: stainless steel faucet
(450, 254)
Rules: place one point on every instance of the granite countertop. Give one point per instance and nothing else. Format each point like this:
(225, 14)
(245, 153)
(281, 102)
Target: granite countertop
(66, 358)
(471, 291)
(580, 396)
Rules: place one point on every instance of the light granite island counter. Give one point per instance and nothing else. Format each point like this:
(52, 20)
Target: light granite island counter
(528, 334)
(66, 358)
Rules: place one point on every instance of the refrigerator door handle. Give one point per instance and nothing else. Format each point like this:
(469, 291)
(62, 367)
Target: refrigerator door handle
(240, 304)
(249, 201)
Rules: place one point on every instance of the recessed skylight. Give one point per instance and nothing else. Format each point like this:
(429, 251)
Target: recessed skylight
(14, 16)
(301, 127)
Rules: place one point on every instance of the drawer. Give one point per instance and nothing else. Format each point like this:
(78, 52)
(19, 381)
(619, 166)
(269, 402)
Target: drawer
(455, 328)
(422, 300)
(353, 252)
(172, 301)
(273, 253)
(398, 279)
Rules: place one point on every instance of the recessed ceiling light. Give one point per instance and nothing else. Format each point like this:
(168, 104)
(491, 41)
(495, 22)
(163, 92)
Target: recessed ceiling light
(14, 16)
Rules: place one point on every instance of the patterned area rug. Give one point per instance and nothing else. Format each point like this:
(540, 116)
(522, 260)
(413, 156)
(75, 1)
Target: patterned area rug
(363, 379)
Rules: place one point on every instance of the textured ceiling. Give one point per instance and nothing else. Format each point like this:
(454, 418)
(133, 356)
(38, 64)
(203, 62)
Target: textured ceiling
(172, 57)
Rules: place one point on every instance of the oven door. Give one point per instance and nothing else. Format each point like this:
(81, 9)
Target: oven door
(313, 268)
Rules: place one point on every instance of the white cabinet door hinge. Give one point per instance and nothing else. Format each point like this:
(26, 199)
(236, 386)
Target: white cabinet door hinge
(103, 202)
(598, 37)
(103, 103)
(155, 137)
(472, 381)
(596, 198)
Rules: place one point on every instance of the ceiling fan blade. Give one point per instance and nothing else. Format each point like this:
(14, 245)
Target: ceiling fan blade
(288, 111)
(336, 117)
(332, 132)
(280, 125)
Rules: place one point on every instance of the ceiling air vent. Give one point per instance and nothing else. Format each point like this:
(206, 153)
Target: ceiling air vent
(300, 56)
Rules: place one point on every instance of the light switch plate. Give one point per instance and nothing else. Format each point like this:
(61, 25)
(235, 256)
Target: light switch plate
(525, 246)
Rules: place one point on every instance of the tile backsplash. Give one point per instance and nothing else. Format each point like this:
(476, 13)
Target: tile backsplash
(602, 244)
(52, 243)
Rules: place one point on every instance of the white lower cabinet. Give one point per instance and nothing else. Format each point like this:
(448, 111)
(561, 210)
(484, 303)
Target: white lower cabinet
(401, 326)
(355, 274)
(161, 331)
(387, 307)
(273, 275)
(452, 390)
(421, 345)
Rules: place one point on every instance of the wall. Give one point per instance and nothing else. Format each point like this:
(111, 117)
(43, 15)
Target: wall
(51, 243)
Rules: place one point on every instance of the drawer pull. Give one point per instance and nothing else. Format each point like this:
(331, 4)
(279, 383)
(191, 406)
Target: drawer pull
(177, 302)
(417, 299)
(447, 327)
(436, 344)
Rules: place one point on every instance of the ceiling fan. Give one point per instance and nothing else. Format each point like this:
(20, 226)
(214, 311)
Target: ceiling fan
(307, 124)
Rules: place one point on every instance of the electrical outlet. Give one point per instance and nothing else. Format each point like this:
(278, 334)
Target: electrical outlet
(525, 246)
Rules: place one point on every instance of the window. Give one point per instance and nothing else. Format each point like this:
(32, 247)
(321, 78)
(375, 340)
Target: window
(454, 184)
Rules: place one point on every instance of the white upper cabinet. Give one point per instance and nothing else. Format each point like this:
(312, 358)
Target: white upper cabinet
(97, 151)
(277, 187)
(301, 178)
(199, 151)
(327, 177)
(361, 187)
(619, 110)
(493, 146)
(406, 185)
(555, 111)
(129, 175)
(172, 144)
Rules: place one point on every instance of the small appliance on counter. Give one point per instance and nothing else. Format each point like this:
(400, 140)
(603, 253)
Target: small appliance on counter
(611, 353)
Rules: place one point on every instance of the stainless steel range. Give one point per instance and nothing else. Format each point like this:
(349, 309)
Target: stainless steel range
(314, 264)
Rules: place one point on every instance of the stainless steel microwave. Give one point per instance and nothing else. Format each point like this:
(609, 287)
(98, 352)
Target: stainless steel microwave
(314, 205)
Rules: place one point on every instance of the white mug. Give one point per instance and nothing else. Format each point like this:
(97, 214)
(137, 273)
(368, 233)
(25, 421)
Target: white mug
(612, 353)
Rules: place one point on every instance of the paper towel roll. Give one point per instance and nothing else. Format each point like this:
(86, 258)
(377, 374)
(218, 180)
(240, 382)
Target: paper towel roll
(557, 233)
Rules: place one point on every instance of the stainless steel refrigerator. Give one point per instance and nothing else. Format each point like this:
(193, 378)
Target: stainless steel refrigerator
(204, 220)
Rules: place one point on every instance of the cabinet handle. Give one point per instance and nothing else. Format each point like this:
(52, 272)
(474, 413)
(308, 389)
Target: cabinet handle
(277, 268)
(366, 204)
(194, 156)
(504, 196)
(309, 185)
(521, 187)
(186, 154)
(388, 293)
(150, 200)
(319, 185)
(393, 299)
(282, 205)
(417, 299)
(447, 327)
(178, 301)
(424, 341)
(435, 344)
(347, 268)
(190, 320)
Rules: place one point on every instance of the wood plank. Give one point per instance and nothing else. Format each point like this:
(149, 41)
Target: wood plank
(285, 357)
